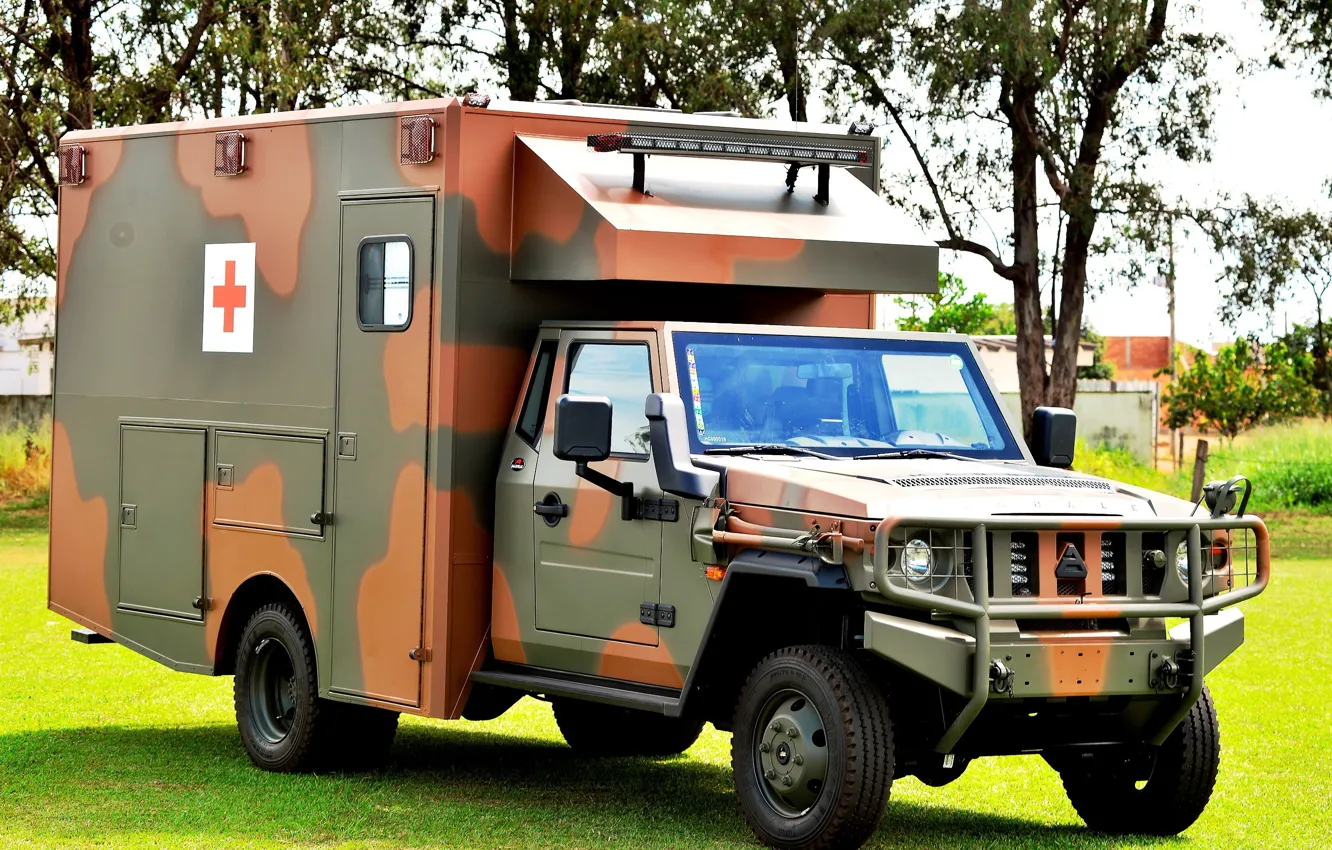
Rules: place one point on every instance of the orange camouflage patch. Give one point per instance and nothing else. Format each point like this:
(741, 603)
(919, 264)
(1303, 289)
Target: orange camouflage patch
(235, 555)
(505, 632)
(592, 507)
(406, 368)
(627, 657)
(696, 257)
(78, 549)
(387, 633)
(272, 197)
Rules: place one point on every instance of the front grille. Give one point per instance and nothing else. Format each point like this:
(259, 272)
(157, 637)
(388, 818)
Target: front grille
(1113, 551)
(1023, 549)
(1002, 481)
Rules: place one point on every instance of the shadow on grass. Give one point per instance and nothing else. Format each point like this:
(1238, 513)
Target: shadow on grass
(444, 786)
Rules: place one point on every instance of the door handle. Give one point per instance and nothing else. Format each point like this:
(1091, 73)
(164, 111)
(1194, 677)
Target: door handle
(551, 509)
(556, 510)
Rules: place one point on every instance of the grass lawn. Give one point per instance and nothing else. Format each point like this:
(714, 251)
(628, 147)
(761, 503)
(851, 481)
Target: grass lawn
(100, 747)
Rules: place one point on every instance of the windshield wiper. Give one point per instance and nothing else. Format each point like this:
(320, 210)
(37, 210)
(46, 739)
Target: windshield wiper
(911, 454)
(768, 449)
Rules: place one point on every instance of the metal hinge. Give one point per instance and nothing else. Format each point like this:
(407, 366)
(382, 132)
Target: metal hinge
(656, 614)
(660, 510)
(202, 603)
(419, 653)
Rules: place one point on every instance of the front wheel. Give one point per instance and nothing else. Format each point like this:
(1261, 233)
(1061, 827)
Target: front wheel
(812, 749)
(1149, 790)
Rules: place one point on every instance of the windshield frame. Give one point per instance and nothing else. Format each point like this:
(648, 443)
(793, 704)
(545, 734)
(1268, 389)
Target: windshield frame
(987, 396)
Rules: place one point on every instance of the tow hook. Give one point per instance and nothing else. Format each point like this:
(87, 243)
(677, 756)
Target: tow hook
(1174, 673)
(1001, 678)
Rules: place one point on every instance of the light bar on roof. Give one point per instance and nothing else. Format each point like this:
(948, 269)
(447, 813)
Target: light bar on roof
(803, 153)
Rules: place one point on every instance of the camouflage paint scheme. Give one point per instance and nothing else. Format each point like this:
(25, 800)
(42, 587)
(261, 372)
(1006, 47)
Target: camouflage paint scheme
(407, 564)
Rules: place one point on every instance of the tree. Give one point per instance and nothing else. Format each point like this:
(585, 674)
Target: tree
(1305, 29)
(1270, 255)
(1245, 386)
(1027, 101)
(952, 309)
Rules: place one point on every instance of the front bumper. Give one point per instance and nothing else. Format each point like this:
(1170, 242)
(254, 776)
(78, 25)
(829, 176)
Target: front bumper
(1042, 665)
(1061, 664)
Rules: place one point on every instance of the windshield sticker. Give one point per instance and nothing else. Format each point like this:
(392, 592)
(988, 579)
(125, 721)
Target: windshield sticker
(956, 361)
(693, 388)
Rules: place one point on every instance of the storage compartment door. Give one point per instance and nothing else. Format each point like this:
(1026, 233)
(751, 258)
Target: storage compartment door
(161, 519)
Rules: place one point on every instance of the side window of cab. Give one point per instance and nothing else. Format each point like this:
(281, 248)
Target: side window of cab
(621, 371)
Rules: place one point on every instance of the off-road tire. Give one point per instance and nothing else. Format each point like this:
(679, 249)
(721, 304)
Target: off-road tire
(857, 733)
(363, 735)
(594, 729)
(310, 727)
(1180, 779)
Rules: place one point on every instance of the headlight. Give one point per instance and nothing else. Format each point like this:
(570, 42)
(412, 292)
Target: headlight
(917, 561)
(1182, 562)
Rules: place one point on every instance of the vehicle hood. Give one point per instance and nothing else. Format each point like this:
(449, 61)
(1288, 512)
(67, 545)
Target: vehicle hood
(875, 489)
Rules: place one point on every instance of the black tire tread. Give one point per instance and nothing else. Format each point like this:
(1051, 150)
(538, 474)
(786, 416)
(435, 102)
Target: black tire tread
(869, 746)
(310, 749)
(1177, 792)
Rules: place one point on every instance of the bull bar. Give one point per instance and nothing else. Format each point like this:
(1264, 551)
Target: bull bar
(984, 609)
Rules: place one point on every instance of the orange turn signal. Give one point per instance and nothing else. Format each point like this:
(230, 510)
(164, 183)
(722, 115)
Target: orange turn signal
(715, 572)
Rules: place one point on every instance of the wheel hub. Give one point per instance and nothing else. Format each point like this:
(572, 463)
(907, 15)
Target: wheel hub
(792, 754)
(273, 690)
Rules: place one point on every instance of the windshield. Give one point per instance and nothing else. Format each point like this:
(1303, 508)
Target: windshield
(841, 396)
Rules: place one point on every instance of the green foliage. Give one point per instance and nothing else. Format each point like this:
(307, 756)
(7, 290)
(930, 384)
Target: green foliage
(1290, 465)
(1100, 369)
(25, 463)
(1243, 387)
(1120, 465)
(952, 309)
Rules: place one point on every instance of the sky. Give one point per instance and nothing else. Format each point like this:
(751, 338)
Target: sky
(1271, 140)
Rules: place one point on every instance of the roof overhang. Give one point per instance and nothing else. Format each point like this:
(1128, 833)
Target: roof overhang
(576, 216)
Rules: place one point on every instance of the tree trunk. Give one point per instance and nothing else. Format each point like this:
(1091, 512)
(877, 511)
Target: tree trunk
(1026, 286)
(1068, 331)
(787, 47)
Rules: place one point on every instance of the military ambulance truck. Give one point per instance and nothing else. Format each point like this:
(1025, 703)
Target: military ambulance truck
(419, 408)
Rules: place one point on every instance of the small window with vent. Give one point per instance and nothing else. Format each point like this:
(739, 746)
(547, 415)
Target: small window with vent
(384, 283)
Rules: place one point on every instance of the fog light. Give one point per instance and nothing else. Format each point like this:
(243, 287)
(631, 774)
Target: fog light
(917, 561)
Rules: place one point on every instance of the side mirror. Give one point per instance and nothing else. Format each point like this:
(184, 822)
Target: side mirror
(582, 428)
(1054, 433)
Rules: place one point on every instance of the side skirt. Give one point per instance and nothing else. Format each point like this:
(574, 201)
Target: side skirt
(541, 681)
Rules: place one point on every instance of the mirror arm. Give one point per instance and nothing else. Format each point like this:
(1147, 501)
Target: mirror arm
(623, 489)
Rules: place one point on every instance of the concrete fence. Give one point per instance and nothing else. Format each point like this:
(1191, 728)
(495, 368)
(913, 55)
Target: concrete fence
(1115, 414)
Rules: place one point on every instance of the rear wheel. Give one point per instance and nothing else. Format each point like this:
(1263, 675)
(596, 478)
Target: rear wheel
(283, 723)
(812, 750)
(595, 729)
(1150, 790)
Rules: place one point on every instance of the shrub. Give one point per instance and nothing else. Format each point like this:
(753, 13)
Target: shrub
(25, 462)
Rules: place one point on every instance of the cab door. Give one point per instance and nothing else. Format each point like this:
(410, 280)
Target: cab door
(595, 569)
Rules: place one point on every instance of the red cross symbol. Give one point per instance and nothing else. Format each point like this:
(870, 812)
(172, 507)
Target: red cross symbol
(229, 297)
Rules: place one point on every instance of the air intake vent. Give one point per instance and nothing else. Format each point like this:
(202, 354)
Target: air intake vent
(416, 139)
(1113, 550)
(1003, 481)
(70, 160)
(1025, 574)
(228, 154)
